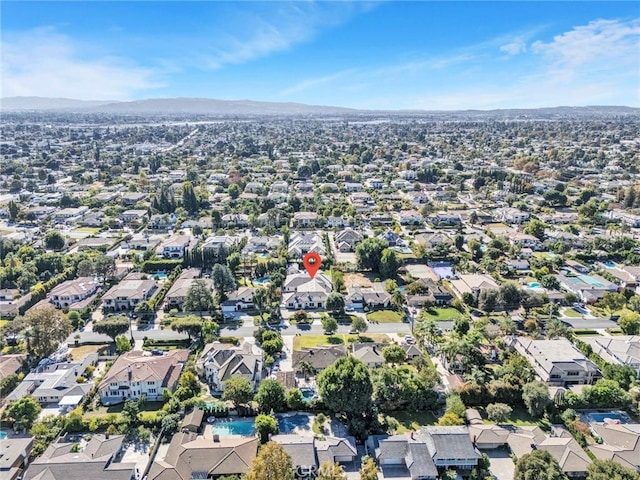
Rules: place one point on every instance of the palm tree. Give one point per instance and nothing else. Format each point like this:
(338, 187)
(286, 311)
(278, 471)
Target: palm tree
(397, 299)
(306, 369)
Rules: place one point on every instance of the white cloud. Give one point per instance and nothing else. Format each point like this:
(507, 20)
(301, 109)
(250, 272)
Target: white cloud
(46, 63)
(279, 29)
(315, 82)
(514, 48)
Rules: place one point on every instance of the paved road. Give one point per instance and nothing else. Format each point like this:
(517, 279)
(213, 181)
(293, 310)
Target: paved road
(291, 330)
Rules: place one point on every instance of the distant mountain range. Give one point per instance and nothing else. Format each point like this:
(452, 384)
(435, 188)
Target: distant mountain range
(207, 106)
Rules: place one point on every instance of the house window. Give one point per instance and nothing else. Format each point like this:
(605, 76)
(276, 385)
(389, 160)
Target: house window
(152, 390)
(573, 373)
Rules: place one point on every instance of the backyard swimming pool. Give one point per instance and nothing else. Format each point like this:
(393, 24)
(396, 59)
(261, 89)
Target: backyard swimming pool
(3, 434)
(288, 424)
(608, 417)
(534, 285)
(224, 427)
(262, 280)
(308, 394)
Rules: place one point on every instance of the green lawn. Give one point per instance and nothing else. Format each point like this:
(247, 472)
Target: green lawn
(571, 312)
(3, 323)
(520, 418)
(315, 340)
(385, 316)
(102, 410)
(413, 420)
(91, 230)
(442, 314)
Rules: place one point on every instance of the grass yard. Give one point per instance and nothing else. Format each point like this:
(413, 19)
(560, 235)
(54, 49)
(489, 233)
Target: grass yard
(413, 420)
(316, 340)
(79, 353)
(571, 312)
(615, 331)
(90, 230)
(385, 316)
(442, 314)
(520, 418)
(102, 410)
(3, 323)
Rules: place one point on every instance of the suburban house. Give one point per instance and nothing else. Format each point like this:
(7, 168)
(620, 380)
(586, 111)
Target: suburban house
(303, 292)
(175, 247)
(318, 357)
(192, 456)
(55, 383)
(524, 240)
(590, 288)
(126, 295)
(369, 353)
(337, 222)
(133, 216)
(66, 459)
(135, 374)
(162, 221)
(557, 362)
(420, 454)
(301, 243)
(71, 292)
(219, 362)
(235, 220)
(473, 284)
(445, 219)
(11, 364)
(512, 215)
(309, 453)
(192, 421)
(13, 457)
(241, 299)
(573, 460)
(622, 350)
(347, 239)
(305, 219)
(373, 297)
(392, 239)
(620, 442)
(177, 294)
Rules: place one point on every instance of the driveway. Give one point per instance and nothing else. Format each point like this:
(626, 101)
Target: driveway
(501, 465)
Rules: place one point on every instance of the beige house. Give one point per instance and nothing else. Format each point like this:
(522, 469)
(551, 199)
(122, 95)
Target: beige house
(219, 362)
(126, 295)
(135, 374)
(192, 456)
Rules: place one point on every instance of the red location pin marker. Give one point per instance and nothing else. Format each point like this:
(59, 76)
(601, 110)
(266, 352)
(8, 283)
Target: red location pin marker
(311, 262)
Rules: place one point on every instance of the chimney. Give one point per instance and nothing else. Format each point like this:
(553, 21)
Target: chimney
(216, 438)
(129, 372)
(412, 435)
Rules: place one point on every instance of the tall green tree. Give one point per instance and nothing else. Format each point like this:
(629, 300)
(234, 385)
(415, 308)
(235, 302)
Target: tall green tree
(271, 463)
(610, 470)
(24, 412)
(536, 397)
(329, 325)
(390, 262)
(189, 198)
(223, 281)
(112, 326)
(191, 325)
(538, 465)
(47, 327)
(53, 240)
(345, 387)
(271, 396)
(331, 471)
(266, 425)
(237, 390)
(369, 253)
(199, 297)
(335, 302)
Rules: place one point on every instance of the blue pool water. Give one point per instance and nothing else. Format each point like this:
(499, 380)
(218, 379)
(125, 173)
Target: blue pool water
(609, 264)
(262, 280)
(290, 423)
(307, 394)
(160, 276)
(534, 285)
(3, 434)
(225, 428)
(600, 417)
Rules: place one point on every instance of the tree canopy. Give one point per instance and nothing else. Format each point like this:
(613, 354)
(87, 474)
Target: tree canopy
(238, 390)
(112, 326)
(271, 396)
(47, 327)
(199, 297)
(538, 465)
(345, 387)
(271, 463)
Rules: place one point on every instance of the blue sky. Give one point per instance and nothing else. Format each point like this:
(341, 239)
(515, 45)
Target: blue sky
(378, 55)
